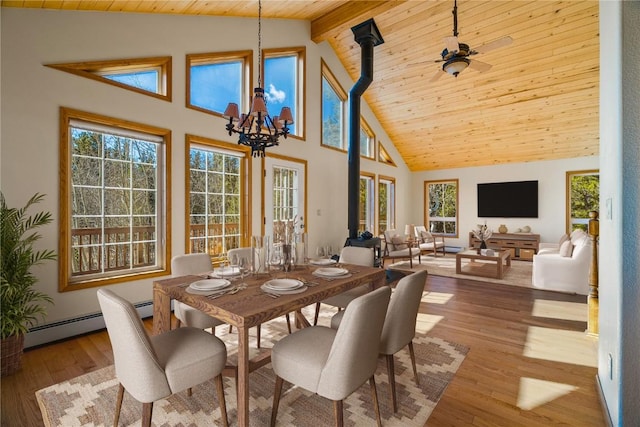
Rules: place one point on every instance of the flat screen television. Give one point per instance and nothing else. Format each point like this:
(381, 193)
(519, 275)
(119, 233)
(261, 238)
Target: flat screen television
(508, 199)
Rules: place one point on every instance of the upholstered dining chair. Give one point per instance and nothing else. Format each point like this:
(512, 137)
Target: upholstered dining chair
(152, 368)
(349, 255)
(399, 325)
(334, 363)
(182, 265)
(246, 254)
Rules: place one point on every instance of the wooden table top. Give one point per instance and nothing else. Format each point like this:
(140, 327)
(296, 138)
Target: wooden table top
(250, 307)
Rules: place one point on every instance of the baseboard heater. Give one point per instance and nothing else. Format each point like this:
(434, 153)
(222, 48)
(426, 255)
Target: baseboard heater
(55, 331)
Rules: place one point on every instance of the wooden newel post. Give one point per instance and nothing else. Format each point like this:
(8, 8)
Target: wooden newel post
(594, 233)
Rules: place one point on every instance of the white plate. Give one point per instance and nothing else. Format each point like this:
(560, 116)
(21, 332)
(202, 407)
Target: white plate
(209, 284)
(226, 272)
(322, 261)
(283, 291)
(331, 271)
(283, 284)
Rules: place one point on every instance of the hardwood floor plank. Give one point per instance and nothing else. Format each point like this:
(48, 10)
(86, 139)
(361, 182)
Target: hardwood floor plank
(500, 382)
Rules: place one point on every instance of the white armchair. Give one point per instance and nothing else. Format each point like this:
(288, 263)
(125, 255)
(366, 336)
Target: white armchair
(427, 242)
(566, 270)
(396, 247)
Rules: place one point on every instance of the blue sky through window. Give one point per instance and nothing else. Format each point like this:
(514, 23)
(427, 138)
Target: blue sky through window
(213, 86)
(280, 83)
(145, 80)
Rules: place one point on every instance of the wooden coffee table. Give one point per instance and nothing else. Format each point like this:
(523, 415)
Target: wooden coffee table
(488, 266)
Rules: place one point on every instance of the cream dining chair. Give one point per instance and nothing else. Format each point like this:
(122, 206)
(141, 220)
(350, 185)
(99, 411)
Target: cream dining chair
(152, 368)
(399, 325)
(182, 265)
(349, 255)
(334, 363)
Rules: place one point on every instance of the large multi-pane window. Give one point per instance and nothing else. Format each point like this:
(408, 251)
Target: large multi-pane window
(216, 79)
(333, 111)
(386, 204)
(366, 203)
(441, 206)
(217, 207)
(113, 219)
(583, 196)
(284, 84)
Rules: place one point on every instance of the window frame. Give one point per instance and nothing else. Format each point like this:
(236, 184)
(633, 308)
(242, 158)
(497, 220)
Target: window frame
(391, 207)
(371, 140)
(327, 75)
(428, 219)
(163, 217)
(570, 222)
(245, 188)
(94, 70)
(384, 157)
(245, 56)
(370, 204)
(301, 98)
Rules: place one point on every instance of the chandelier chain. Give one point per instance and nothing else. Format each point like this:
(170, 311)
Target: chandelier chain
(259, 43)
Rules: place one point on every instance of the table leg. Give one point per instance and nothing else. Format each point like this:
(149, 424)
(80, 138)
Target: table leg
(458, 265)
(243, 376)
(500, 269)
(161, 312)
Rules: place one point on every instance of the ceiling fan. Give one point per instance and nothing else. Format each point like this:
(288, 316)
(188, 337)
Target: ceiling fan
(456, 55)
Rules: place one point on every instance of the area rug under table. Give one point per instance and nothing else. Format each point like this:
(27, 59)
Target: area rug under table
(89, 400)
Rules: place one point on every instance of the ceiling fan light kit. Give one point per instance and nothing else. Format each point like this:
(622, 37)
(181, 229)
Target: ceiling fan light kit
(456, 55)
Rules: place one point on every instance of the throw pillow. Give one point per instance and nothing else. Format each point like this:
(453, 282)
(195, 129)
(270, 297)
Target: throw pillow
(398, 243)
(566, 249)
(563, 239)
(426, 237)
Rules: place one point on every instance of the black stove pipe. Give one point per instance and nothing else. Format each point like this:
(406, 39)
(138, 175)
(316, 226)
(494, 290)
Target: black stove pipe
(367, 36)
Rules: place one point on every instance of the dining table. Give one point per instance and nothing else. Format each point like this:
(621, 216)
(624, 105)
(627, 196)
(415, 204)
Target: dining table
(251, 306)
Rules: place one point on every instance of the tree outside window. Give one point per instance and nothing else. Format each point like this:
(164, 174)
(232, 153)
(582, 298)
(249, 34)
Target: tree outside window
(216, 208)
(583, 190)
(441, 206)
(366, 203)
(113, 200)
(333, 100)
(386, 204)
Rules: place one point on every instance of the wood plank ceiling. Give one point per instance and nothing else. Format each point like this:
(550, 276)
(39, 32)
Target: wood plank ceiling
(539, 101)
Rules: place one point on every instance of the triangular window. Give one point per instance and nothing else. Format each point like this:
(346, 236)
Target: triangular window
(149, 76)
(383, 156)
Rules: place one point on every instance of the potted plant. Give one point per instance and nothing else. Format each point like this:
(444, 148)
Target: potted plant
(22, 305)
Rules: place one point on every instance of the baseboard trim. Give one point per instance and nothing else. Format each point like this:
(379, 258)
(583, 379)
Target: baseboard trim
(62, 329)
(603, 402)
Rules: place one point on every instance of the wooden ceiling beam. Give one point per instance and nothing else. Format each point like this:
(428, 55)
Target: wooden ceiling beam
(348, 15)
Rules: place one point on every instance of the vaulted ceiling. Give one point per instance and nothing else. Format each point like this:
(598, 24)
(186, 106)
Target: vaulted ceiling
(539, 100)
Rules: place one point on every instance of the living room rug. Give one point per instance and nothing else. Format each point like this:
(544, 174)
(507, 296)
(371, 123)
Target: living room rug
(90, 398)
(519, 274)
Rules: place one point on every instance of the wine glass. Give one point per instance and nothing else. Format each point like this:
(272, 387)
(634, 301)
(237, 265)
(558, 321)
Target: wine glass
(243, 265)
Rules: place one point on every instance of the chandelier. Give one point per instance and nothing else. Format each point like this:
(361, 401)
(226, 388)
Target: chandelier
(256, 129)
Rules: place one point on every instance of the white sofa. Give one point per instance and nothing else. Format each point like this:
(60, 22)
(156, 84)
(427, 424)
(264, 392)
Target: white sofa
(544, 248)
(555, 271)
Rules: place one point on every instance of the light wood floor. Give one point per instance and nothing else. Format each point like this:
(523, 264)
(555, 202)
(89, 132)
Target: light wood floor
(529, 363)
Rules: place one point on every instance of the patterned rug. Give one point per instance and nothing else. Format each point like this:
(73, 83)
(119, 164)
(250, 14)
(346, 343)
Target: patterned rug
(89, 400)
(519, 274)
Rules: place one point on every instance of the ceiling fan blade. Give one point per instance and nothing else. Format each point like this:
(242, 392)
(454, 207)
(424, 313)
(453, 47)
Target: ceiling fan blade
(451, 43)
(504, 41)
(437, 75)
(479, 65)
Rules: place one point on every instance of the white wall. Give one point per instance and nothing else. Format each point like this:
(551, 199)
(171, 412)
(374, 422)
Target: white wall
(551, 177)
(33, 93)
(619, 346)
